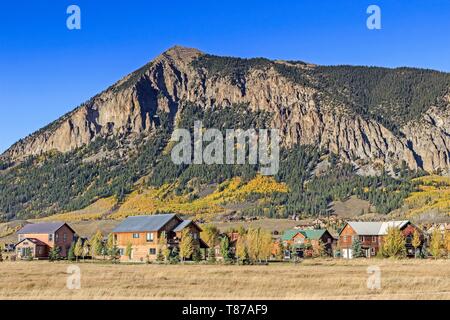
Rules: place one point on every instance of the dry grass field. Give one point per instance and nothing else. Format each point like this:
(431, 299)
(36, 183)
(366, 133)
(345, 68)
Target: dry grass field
(312, 279)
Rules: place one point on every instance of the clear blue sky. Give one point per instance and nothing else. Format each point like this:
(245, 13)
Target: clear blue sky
(47, 70)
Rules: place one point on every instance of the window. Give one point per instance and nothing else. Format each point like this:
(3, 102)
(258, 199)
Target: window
(149, 237)
(195, 236)
(21, 237)
(135, 235)
(374, 239)
(372, 251)
(56, 237)
(50, 237)
(152, 251)
(65, 237)
(121, 251)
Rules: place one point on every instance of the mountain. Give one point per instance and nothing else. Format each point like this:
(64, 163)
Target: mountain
(375, 119)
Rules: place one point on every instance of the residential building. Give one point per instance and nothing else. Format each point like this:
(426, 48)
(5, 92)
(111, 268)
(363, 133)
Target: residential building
(371, 236)
(35, 240)
(304, 243)
(148, 234)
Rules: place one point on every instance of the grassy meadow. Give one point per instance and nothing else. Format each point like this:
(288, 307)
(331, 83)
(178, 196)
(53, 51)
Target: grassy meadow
(310, 279)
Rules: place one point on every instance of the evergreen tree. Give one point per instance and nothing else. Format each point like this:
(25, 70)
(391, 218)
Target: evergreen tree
(53, 254)
(197, 256)
(356, 249)
(71, 253)
(225, 248)
(175, 255)
(114, 254)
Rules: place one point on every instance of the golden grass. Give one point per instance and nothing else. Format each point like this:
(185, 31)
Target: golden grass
(312, 279)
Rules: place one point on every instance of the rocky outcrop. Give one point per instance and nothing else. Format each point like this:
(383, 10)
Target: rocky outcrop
(129, 108)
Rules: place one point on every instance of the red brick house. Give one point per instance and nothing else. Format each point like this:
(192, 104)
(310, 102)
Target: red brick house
(371, 236)
(37, 239)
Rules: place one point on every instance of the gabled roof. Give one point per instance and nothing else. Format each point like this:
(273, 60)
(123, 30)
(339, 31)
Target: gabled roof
(309, 234)
(182, 225)
(313, 234)
(34, 241)
(289, 234)
(375, 228)
(392, 224)
(42, 228)
(365, 228)
(144, 223)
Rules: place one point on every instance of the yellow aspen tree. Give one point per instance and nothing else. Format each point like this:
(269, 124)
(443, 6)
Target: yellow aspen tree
(416, 241)
(78, 251)
(186, 245)
(394, 243)
(436, 243)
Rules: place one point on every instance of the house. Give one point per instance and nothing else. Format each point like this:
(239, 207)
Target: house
(37, 239)
(233, 237)
(305, 242)
(371, 236)
(147, 234)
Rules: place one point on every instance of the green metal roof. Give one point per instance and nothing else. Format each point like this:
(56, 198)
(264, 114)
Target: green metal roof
(313, 234)
(289, 234)
(309, 234)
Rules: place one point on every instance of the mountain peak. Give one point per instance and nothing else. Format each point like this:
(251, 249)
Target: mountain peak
(181, 53)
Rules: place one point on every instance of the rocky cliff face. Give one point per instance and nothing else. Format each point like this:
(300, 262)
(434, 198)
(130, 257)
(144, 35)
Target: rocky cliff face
(302, 113)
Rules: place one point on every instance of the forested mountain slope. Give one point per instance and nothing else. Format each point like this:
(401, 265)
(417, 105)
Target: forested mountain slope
(365, 125)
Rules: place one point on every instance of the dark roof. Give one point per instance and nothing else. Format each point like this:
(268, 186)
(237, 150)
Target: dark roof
(33, 240)
(38, 228)
(144, 223)
(182, 225)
